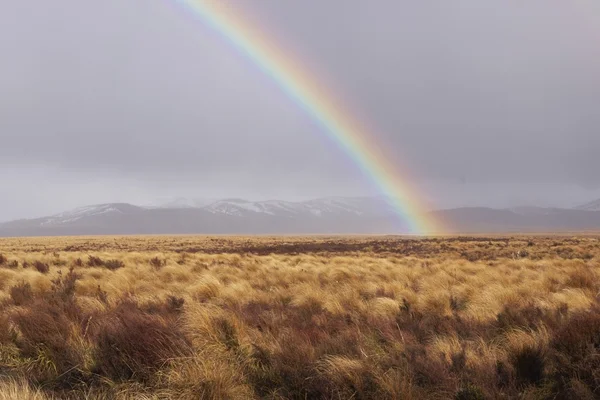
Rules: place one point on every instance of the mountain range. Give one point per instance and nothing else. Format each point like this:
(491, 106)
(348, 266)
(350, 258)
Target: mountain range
(358, 215)
(591, 206)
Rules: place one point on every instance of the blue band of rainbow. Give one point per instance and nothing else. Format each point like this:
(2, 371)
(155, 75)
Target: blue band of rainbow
(338, 125)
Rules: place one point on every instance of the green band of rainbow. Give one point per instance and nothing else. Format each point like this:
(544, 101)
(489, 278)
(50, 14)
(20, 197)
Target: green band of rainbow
(338, 125)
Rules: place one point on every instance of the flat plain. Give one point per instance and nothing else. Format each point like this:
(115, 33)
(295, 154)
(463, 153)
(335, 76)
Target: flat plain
(300, 317)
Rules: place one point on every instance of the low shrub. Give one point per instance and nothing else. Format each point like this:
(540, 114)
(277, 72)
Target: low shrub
(63, 287)
(470, 392)
(113, 264)
(574, 349)
(21, 294)
(529, 363)
(132, 344)
(94, 261)
(157, 263)
(44, 337)
(41, 267)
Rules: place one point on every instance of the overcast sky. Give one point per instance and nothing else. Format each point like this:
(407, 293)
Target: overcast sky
(486, 102)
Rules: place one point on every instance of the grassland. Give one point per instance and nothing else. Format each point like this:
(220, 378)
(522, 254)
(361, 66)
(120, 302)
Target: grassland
(300, 318)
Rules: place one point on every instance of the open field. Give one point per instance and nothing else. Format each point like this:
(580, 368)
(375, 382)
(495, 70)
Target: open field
(300, 318)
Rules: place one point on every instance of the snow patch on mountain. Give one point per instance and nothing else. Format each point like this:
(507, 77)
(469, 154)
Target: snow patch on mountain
(235, 207)
(358, 206)
(180, 202)
(81, 212)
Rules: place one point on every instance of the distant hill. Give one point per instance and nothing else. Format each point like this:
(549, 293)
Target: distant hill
(525, 220)
(591, 206)
(230, 216)
(336, 215)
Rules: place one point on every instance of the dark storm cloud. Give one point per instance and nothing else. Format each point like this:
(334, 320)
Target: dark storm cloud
(137, 98)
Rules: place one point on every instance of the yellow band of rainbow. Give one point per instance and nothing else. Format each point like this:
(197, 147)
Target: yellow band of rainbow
(337, 124)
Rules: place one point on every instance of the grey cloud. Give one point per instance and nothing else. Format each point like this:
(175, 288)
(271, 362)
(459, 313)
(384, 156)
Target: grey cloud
(141, 94)
(492, 90)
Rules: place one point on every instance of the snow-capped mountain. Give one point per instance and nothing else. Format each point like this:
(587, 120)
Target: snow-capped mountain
(591, 206)
(327, 215)
(86, 212)
(333, 215)
(329, 206)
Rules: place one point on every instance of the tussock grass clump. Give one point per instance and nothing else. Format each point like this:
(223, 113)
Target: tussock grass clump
(19, 389)
(296, 318)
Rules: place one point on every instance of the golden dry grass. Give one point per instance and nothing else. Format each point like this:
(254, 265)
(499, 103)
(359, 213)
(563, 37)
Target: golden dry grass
(353, 317)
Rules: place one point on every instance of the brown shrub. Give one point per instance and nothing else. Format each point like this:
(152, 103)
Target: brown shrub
(579, 390)
(587, 256)
(101, 295)
(3, 259)
(504, 375)
(63, 287)
(429, 371)
(310, 334)
(5, 331)
(478, 255)
(172, 306)
(227, 333)
(530, 316)
(290, 371)
(113, 264)
(574, 349)
(41, 267)
(94, 261)
(133, 344)
(516, 315)
(469, 392)
(44, 336)
(458, 303)
(529, 363)
(21, 294)
(175, 304)
(157, 263)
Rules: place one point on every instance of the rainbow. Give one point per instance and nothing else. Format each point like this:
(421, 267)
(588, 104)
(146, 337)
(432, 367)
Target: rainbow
(308, 94)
